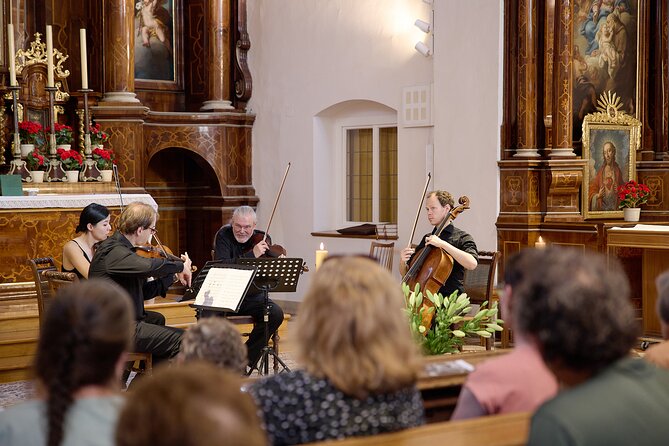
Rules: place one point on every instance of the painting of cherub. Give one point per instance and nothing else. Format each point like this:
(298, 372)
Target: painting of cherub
(154, 48)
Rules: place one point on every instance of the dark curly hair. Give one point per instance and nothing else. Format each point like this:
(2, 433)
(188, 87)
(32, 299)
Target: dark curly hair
(217, 341)
(87, 327)
(575, 305)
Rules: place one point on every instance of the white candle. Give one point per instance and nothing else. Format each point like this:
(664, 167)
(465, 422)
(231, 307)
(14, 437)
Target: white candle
(49, 56)
(321, 255)
(540, 244)
(12, 54)
(84, 61)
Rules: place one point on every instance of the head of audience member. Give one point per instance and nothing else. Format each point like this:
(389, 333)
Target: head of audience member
(662, 284)
(94, 218)
(353, 331)
(194, 404)
(86, 330)
(243, 223)
(576, 308)
(138, 222)
(217, 341)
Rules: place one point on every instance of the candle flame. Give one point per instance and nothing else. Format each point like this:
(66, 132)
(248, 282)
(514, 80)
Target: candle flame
(541, 240)
(322, 247)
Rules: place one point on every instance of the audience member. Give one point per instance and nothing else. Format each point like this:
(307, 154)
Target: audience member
(217, 341)
(93, 228)
(659, 354)
(361, 363)
(518, 381)
(194, 404)
(576, 306)
(78, 367)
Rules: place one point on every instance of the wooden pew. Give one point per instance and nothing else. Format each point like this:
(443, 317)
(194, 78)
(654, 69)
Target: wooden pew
(440, 392)
(495, 430)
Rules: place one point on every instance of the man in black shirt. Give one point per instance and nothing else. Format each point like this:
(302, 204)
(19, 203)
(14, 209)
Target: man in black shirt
(142, 278)
(452, 240)
(232, 242)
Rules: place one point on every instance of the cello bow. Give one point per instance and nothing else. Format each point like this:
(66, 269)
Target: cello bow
(420, 205)
(276, 202)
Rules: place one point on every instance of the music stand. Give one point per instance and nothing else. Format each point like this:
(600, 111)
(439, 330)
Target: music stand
(224, 287)
(277, 275)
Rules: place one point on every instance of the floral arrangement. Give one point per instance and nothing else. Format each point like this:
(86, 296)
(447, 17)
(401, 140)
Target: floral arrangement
(98, 136)
(451, 323)
(63, 133)
(30, 132)
(71, 159)
(104, 158)
(36, 161)
(632, 194)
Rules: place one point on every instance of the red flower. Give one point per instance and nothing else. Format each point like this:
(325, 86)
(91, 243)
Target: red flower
(633, 194)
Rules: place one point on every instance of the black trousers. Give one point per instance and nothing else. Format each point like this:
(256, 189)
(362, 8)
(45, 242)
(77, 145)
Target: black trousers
(254, 305)
(152, 336)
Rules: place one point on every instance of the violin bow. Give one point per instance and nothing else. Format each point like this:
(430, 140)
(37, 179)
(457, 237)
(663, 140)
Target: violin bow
(118, 186)
(420, 206)
(276, 202)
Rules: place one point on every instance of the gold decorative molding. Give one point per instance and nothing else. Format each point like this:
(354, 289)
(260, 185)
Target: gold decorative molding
(37, 55)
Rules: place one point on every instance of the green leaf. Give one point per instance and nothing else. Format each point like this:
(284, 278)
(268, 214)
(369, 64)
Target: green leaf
(483, 333)
(459, 333)
(495, 327)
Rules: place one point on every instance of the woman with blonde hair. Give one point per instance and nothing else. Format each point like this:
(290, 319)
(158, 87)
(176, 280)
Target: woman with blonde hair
(360, 361)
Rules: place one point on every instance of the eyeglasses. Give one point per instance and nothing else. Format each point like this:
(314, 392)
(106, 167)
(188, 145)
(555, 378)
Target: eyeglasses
(153, 230)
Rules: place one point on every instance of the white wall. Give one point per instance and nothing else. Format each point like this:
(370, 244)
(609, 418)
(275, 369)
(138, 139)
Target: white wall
(309, 55)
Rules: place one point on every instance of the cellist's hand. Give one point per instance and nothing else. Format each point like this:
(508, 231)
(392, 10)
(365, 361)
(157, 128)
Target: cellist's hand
(406, 254)
(435, 241)
(260, 248)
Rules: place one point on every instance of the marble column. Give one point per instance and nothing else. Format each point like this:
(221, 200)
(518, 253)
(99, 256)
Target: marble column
(562, 80)
(218, 26)
(119, 44)
(527, 79)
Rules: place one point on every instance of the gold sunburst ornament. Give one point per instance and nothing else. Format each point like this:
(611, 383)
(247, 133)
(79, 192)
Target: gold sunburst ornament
(610, 103)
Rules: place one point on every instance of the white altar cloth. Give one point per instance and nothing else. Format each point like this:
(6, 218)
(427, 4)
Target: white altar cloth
(73, 201)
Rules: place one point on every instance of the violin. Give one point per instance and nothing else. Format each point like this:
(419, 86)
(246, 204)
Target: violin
(159, 252)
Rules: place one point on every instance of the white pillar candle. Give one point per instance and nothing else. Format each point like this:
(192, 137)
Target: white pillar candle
(321, 255)
(12, 54)
(49, 56)
(84, 61)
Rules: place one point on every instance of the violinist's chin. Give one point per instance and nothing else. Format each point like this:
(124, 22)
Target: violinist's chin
(242, 238)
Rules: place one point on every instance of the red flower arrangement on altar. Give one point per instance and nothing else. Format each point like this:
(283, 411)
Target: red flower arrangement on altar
(104, 158)
(63, 133)
(36, 161)
(632, 194)
(98, 136)
(71, 159)
(30, 132)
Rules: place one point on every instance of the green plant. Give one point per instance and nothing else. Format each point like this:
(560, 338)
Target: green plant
(63, 133)
(36, 161)
(98, 136)
(71, 159)
(30, 132)
(451, 325)
(104, 158)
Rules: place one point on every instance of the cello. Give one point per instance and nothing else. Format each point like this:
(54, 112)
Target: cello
(431, 267)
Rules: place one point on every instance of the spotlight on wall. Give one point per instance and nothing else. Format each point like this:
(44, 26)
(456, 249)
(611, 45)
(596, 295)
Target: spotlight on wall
(423, 26)
(423, 49)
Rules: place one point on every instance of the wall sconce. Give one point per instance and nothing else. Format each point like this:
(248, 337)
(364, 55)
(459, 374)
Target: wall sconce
(423, 49)
(423, 26)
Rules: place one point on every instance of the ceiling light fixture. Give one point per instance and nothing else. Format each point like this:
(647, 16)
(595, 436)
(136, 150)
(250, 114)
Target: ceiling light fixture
(423, 26)
(423, 49)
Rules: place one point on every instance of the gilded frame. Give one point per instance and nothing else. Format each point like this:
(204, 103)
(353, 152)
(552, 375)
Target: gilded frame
(615, 135)
(158, 66)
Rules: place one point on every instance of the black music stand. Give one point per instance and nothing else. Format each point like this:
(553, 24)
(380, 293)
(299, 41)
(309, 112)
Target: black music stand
(276, 275)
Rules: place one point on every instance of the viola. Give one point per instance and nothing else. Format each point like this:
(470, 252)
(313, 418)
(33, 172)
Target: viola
(159, 252)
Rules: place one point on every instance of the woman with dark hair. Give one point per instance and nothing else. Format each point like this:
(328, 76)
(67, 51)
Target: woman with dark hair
(78, 366)
(93, 228)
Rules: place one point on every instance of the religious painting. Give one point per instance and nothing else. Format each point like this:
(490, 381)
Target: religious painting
(610, 141)
(156, 45)
(606, 55)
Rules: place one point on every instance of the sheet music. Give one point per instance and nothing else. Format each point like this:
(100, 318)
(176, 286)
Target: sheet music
(224, 288)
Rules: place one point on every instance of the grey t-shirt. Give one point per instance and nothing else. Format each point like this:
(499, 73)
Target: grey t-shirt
(89, 422)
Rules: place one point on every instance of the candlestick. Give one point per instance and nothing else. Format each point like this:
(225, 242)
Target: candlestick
(321, 255)
(84, 60)
(540, 244)
(12, 54)
(49, 56)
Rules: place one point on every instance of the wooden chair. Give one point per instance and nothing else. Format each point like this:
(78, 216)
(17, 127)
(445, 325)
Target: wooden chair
(383, 253)
(479, 282)
(57, 279)
(44, 294)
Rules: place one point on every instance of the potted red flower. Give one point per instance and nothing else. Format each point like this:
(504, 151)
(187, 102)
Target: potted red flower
(104, 160)
(98, 136)
(72, 162)
(63, 135)
(37, 165)
(631, 196)
(30, 134)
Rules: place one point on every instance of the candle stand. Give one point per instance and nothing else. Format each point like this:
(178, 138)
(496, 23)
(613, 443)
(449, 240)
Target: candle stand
(17, 165)
(90, 171)
(55, 171)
